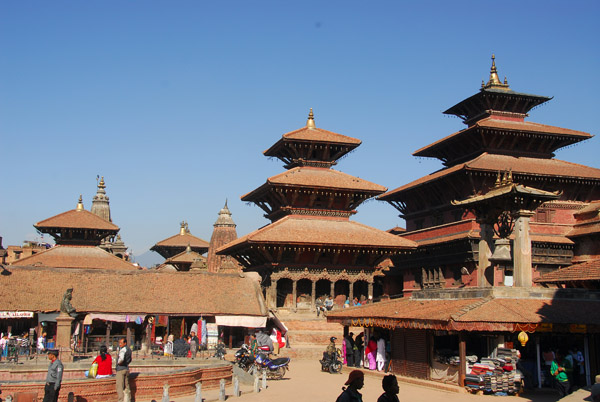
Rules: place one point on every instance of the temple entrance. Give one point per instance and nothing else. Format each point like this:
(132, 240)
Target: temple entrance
(304, 294)
(284, 293)
(323, 288)
(361, 290)
(341, 292)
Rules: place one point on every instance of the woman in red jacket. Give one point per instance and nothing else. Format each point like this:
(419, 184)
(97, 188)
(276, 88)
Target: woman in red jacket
(104, 363)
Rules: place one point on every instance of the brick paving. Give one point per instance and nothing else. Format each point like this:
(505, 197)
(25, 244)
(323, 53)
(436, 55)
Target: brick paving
(305, 382)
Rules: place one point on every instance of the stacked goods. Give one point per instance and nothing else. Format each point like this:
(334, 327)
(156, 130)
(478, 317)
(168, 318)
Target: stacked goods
(495, 374)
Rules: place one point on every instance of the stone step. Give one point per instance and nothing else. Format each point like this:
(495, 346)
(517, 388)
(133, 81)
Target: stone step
(303, 352)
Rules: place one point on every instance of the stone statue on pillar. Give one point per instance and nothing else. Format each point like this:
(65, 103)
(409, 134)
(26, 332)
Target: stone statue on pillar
(65, 305)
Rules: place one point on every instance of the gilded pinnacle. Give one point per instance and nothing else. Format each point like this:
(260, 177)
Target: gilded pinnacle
(101, 184)
(80, 203)
(494, 81)
(310, 123)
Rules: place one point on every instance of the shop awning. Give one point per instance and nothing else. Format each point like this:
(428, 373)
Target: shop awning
(47, 317)
(113, 317)
(241, 321)
(16, 314)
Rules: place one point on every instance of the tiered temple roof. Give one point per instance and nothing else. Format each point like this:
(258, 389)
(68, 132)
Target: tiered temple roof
(310, 205)
(177, 244)
(223, 232)
(77, 226)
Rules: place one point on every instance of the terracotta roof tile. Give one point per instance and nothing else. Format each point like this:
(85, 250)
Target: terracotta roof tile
(145, 291)
(315, 177)
(182, 240)
(495, 163)
(78, 220)
(477, 311)
(320, 135)
(185, 257)
(519, 126)
(585, 271)
(294, 230)
(73, 256)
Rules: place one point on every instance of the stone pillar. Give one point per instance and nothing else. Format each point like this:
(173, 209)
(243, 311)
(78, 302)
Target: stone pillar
(462, 357)
(351, 293)
(63, 337)
(370, 292)
(332, 291)
(294, 294)
(128, 336)
(485, 270)
(522, 250)
(313, 295)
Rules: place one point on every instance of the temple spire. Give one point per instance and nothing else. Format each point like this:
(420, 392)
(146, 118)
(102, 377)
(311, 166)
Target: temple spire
(310, 123)
(494, 81)
(100, 202)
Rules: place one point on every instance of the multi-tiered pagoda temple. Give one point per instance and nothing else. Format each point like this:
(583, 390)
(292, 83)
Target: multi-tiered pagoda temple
(312, 248)
(497, 138)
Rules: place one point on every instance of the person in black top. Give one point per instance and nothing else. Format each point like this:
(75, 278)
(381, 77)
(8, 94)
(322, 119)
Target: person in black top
(391, 388)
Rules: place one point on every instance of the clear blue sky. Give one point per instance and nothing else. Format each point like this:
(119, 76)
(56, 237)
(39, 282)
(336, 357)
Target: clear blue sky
(174, 102)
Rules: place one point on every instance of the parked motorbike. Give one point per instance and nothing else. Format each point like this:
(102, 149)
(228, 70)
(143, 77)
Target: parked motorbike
(333, 364)
(243, 357)
(220, 351)
(275, 368)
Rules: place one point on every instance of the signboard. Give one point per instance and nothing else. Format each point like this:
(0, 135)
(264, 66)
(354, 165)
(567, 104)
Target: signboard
(578, 328)
(16, 314)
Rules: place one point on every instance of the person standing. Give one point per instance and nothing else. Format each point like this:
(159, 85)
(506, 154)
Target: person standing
(53, 378)
(390, 388)
(349, 342)
(380, 357)
(356, 380)
(41, 343)
(358, 350)
(559, 372)
(122, 369)
(194, 343)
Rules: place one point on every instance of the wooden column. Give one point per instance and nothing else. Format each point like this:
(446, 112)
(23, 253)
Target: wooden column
(332, 291)
(351, 293)
(108, 327)
(370, 292)
(462, 355)
(294, 294)
(128, 336)
(313, 295)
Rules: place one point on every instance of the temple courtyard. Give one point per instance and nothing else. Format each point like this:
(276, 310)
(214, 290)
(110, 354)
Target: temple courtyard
(305, 382)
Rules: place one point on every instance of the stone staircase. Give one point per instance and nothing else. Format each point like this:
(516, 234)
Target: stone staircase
(308, 335)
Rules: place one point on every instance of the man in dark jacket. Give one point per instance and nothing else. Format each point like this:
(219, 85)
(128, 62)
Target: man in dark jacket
(53, 378)
(356, 380)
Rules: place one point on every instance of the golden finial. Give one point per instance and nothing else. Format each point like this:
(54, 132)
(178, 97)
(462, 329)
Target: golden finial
(188, 249)
(182, 228)
(494, 81)
(482, 83)
(509, 180)
(310, 123)
(80, 203)
(504, 178)
(101, 184)
(498, 180)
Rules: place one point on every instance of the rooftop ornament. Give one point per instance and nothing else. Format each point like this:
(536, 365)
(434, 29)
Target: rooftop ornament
(80, 204)
(310, 123)
(494, 81)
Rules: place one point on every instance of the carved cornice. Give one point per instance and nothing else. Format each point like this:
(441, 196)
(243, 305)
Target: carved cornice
(334, 275)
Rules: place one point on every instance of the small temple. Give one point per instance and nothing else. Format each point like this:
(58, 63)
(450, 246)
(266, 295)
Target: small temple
(311, 248)
(78, 234)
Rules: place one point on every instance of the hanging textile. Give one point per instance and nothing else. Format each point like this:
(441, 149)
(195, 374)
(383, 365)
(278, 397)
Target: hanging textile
(204, 339)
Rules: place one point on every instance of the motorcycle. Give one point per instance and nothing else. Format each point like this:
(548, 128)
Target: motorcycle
(243, 358)
(333, 363)
(220, 351)
(275, 368)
